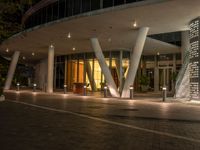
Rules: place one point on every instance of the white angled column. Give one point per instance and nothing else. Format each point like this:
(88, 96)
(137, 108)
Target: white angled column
(50, 69)
(11, 70)
(107, 74)
(135, 59)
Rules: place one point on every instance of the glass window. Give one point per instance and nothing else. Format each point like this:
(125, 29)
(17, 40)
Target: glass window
(61, 8)
(107, 3)
(49, 13)
(118, 2)
(55, 11)
(76, 7)
(85, 5)
(95, 4)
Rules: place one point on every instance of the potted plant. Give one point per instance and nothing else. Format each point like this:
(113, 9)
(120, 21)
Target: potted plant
(144, 83)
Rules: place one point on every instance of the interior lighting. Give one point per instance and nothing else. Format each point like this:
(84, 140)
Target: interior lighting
(33, 54)
(158, 53)
(69, 35)
(73, 48)
(7, 50)
(23, 57)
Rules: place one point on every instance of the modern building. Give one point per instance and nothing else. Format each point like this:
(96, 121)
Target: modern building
(118, 43)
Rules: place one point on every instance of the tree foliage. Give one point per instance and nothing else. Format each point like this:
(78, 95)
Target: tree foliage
(11, 12)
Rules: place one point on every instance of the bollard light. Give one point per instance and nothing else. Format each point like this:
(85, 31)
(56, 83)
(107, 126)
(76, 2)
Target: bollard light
(65, 89)
(34, 87)
(105, 91)
(164, 89)
(18, 86)
(84, 90)
(131, 91)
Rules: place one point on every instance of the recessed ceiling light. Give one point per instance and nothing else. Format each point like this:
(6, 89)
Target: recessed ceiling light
(73, 48)
(134, 24)
(33, 54)
(69, 35)
(7, 50)
(51, 46)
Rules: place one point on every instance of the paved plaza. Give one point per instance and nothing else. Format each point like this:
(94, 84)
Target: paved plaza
(57, 121)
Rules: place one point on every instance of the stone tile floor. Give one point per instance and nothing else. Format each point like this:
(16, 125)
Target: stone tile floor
(96, 123)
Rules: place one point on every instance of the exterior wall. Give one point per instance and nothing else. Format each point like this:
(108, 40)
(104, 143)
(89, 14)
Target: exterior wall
(195, 59)
(41, 74)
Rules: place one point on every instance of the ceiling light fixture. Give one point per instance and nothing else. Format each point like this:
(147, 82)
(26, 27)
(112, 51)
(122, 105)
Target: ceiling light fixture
(134, 24)
(7, 50)
(73, 48)
(23, 57)
(33, 54)
(158, 53)
(69, 35)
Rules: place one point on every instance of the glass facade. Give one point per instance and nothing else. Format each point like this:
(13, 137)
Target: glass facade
(84, 68)
(66, 8)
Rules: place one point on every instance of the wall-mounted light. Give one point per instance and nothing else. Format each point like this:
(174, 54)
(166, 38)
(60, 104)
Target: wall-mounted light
(33, 54)
(73, 48)
(7, 50)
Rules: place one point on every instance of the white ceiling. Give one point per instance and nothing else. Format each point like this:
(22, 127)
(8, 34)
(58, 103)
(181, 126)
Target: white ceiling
(161, 17)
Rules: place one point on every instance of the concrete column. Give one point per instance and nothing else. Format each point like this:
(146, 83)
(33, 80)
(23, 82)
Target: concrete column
(90, 76)
(135, 59)
(120, 70)
(105, 69)
(156, 75)
(11, 70)
(50, 69)
(185, 44)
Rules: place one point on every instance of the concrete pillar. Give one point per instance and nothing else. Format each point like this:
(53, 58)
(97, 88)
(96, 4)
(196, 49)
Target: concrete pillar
(11, 70)
(90, 76)
(156, 74)
(50, 69)
(135, 59)
(105, 69)
(120, 71)
(185, 44)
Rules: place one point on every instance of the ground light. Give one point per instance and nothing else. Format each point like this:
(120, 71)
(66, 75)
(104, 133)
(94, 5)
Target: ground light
(65, 89)
(105, 91)
(18, 86)
(164, 89)
(84, 90)
(131, 91)
(34, 87)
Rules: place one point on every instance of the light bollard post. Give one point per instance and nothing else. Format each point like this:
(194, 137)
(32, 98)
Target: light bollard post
(34, 87)
(164, 89)
(18, 86)
(84, 90)
(105, 91)
(131, 91)
(65, 89)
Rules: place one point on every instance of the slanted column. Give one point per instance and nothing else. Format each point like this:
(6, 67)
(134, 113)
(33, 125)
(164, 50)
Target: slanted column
(50, 69)
(90, 76)
(105, 70)
(11, 70)
(135, 59)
